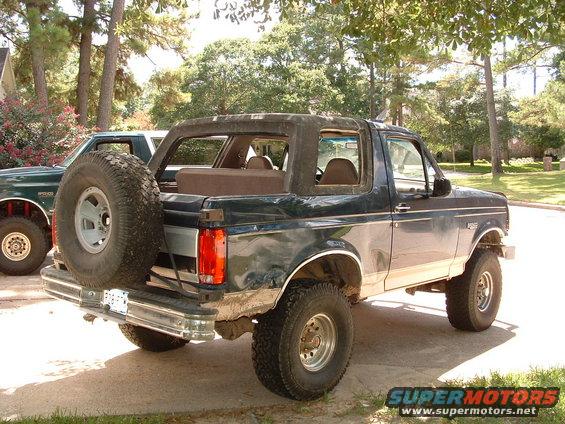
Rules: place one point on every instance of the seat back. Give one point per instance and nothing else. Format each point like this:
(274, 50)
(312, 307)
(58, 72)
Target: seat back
(259, 162)
(340, 171)
(229, 182)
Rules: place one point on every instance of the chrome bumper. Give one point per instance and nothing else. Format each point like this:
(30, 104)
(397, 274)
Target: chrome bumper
(169, 315)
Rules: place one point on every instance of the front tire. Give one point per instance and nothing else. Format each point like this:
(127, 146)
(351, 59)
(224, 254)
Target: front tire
(24, 246)
(472, 299)
(302, 348)
(150, 340)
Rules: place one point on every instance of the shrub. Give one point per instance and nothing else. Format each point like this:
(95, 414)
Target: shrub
(463, 155)
(31, 134)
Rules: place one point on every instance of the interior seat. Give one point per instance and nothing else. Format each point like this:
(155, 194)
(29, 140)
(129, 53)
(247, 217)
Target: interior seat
(340, 171)
(229, 181)
(259, 162)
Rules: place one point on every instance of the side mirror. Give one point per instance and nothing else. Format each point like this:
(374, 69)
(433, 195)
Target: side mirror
(442, 187)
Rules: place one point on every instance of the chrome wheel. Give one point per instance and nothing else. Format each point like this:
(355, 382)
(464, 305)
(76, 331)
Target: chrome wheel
(484, 291)
(93, 222)
(317, 342)
(16, 246)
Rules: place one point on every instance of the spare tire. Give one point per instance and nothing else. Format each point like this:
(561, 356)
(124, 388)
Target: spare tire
(109, 220)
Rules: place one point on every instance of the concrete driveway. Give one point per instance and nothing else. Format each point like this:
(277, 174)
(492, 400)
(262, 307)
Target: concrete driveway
(50, 358)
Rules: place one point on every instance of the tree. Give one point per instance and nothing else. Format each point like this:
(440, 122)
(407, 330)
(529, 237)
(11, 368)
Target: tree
(398, 27)
(85, 56)
(36, 29)
(541, 119)
(110, 65)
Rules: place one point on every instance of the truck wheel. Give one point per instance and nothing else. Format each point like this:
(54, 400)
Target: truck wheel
(150, 340)
(24, 246)
(472, 299)
(109, 220)
(301, 348)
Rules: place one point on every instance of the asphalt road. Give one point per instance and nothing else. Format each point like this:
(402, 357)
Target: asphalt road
(50, 358)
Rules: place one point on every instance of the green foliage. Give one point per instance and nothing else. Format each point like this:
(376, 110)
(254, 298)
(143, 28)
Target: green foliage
(32, 135)
(298, 67)
(541, 119)
(197, 152)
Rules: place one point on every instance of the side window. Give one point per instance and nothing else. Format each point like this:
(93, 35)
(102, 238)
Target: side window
(115, 146)
(197, 152)
(407, 166)
(338, 159)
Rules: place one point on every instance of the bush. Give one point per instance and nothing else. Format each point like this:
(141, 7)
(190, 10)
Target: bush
(32, 135)
(463, 156)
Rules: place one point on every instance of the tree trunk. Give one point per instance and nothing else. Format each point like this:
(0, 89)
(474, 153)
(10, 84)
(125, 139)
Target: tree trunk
(506, 153)
(36, 52)
(492, 124)
(109, 70)
(472, 160)
(84, 67)
(372, 99)
(504, 76)
(400, 115)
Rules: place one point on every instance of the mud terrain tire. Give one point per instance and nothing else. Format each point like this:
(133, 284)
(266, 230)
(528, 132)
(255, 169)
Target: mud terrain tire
(279, 336)
(467, 308)
(113, 196)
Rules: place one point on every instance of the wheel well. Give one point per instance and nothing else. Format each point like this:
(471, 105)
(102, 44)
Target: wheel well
(491, 240)
(340, 269)
(22, 207)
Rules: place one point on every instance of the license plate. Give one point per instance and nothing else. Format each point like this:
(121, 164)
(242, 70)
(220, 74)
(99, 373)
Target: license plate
(116, 300)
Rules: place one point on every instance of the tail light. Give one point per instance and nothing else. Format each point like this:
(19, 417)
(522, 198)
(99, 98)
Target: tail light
(212, 255)
(53, 230)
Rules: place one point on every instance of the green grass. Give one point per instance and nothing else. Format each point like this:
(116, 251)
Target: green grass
(485, 167)
(365, 407)
(535, 377)
(540, 187)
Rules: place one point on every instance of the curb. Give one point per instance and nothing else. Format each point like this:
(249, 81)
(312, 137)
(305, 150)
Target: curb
(537, 205)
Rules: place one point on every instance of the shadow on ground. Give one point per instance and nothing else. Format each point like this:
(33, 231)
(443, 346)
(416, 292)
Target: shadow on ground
(396, 344)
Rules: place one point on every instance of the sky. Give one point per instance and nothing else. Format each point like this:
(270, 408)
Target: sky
(204, 30)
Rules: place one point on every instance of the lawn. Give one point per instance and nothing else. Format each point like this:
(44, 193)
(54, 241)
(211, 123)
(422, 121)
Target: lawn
(485, 167)
(540, 187)
(364, 407)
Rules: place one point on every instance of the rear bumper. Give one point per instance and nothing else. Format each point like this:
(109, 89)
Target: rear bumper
(167, 314)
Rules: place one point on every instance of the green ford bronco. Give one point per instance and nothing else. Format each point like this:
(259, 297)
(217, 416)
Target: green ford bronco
(324, 213)
(27, 196)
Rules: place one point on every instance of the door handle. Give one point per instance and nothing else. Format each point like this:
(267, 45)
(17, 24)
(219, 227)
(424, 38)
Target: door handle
(402, 207)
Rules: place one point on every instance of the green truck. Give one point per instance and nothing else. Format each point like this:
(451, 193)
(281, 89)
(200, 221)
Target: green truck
(27, 198)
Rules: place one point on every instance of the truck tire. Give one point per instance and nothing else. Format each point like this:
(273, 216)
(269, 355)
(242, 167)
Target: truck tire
(150, 340)
(473, 298)
(109, 220)
(24, 245)
(301, 348)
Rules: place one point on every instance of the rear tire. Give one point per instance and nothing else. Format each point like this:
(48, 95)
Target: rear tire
(151, 340)
(24, 245)
(301, 348)
(469, 306)
(109, 220)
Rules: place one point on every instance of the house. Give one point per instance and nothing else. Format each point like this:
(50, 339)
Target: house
(7, 78)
